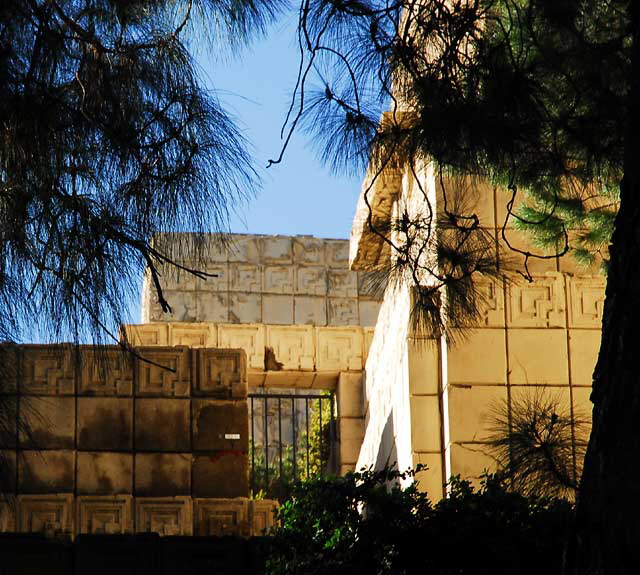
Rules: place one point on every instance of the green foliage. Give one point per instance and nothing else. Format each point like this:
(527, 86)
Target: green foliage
(367, 523)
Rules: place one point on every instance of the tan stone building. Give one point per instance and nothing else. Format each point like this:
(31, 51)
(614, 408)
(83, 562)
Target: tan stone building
(226, 393)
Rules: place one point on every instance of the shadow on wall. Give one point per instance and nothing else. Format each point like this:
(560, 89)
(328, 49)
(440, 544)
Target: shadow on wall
(387, 453)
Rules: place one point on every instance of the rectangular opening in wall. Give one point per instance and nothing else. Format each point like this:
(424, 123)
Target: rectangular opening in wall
(292, 438)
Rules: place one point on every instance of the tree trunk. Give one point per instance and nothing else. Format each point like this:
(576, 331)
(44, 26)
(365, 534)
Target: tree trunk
(607, 536)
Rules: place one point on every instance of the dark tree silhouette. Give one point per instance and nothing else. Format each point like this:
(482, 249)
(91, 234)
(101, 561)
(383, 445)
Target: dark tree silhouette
(540, 97)
(107, 138)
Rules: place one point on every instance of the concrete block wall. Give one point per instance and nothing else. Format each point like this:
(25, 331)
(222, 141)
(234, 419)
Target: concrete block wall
(275, 280)
(538, 337)
(110, 442)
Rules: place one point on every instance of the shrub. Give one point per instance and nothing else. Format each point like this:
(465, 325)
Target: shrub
(367, 523)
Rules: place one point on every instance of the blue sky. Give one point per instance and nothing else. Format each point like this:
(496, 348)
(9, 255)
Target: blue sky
(298, 196)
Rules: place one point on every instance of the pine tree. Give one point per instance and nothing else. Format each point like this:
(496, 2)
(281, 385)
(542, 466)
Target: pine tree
(542, 98)
(108, 136)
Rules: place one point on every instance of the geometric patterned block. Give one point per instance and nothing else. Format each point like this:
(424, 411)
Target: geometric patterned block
(47, 370)
(8, 515)
(339, 349)
(251, 338)
(146, 333)
(50, 514)
(192, 334)
(586, 301)
(262, 516)
(540, 303)
(277, 250)
(217, 517)
(163, 515)
(104, 514)
(222, 373)
(106, 371)
(277, 279)
(308, 251)
(491, 299)
(337, 253)
(343, 283)
(245, 278)
(311, 281)
(167, 371)
(343, 311)
(293, 345)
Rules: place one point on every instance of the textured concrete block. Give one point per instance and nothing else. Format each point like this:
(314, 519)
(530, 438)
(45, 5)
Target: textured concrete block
(193, 335)
(47, 422)
(217, 280)
(277, 249)
(491, 302)
(425, 423)
(147, 334)
(220, 425)
(342, 283)
(8, 515)
(278, 279)
(424, 367)
(293, 346)
(47, 514)
(311, 280)
(160, 474)
(277, 309)
(586, 301)
(541, 303)
(262, 516)
(250, 338)
(538, 357)
(9, 360)
(245, 277)
(308, 251)
(351, 431)
(350, 395)
(339, 349)
(47, 370)
(166, 373)
(183, 306)
(471, 461)
(310, 310)
(343, 311)
(46, 471)
(430, 481)
(162, 424)
(221, 373)
(337, 253)
(106, 371)
(368, 312)
(104, 473)
(105, 515)
(471, 409)
(8, 468)
(480, 357)
(245, 249)
(584, 346)
(221, 474)
(245, 308)
(104, 423)
(219, 517)
(9, 429)
(164, 515)
(212, 307)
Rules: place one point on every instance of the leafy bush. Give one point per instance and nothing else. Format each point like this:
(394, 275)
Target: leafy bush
(367, 523)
